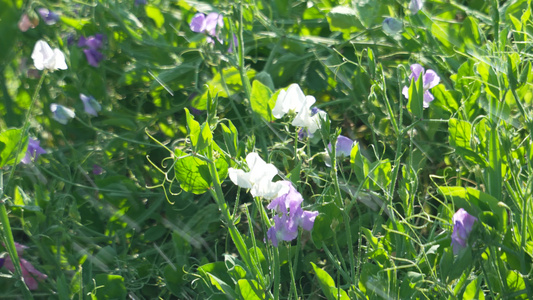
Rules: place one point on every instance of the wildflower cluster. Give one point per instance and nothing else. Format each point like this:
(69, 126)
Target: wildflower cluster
(283, 193)
(430, 80)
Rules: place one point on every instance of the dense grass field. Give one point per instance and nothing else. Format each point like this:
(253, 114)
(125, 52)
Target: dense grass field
(266, 149)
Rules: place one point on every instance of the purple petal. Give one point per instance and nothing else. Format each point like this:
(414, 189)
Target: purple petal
(212, 21)
(198, 23)
(32, 153)
(463, 223)
(97, 170)
(416, 70)
(307, 219)
(93, 57)
(431, 79)
(49, 17)
(428, 97)
(82, 42)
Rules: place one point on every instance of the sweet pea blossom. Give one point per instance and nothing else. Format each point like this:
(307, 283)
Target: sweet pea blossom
(33, 151)
(343, 149)
(61, 113)
(462, 226)
(309, 117)
(92, 44)
(430, 79)
(49, 17)
(29, 273)
(259, 179)
(288, 101)
(90, 105)
(416, 5)
(286, 223)
(45, 58)
(208, 24)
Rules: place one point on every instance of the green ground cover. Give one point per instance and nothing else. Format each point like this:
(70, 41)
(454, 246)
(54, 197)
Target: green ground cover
(266, 149)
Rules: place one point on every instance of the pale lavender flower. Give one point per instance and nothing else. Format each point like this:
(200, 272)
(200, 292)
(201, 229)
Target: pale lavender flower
(430, 79)
(289, 215)
(207, 24)
(140, 2)
(343, 147)
(49, 17)
(198, 23)
(462, 226)
(290, 200)
(33, 151)
(90, 105)
(416, 5)
(284, 229)
(61, 113)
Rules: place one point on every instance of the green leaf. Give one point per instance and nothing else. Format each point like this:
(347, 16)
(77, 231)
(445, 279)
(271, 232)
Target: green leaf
(416, 97)
(110, 287)
(230, 78)
(155, 14)
(516, 283)
(250, 290)
(200, 136)
(460, 138)
(193, 173)
(328, 285)
(343, 17)
(231, 137)
(216, 274)
(9, 140)
(470, 33)
(473, 290)
(261, 100)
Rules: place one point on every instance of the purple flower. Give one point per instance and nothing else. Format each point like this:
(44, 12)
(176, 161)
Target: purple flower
(29, 273)
(343, 147)
(292, 200)
(416, 5)
(201, 23)
(289, 215)
(430, 79)
(49, 17)
(92, 43)
(140, 2)
(33, 151)
(93, 57)
(97, 170)
(2, 261)
(462, 226)
(284, 229)
(90, 105)
(198, 23)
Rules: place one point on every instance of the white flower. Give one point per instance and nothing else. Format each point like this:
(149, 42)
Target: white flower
(259, 179)
(45, 58)
(290, 100)
(306, 118)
